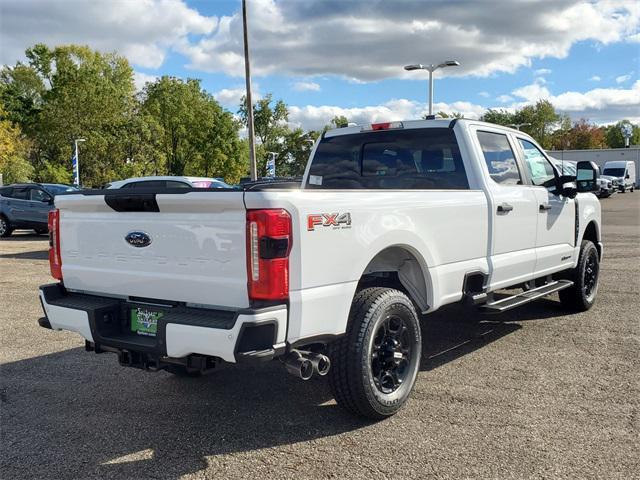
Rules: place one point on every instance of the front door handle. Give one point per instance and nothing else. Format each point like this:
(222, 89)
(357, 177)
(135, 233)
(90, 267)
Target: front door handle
(504, 208)
(544, 207)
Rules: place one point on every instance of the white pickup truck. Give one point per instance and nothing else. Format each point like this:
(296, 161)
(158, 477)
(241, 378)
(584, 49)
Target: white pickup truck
(391, 221)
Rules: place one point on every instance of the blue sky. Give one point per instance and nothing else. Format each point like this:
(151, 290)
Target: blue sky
(328, 57)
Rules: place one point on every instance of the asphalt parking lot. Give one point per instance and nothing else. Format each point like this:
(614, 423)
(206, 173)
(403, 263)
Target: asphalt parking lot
(532, 393)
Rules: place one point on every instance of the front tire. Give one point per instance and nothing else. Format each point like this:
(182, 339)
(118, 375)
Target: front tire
(582, 295)
(375, 365)
(5, 227)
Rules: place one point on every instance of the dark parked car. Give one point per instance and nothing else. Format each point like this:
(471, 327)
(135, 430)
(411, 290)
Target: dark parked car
(27, 205)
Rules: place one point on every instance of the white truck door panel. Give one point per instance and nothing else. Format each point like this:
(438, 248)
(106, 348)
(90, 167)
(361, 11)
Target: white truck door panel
(513, 212)
(556, 214)
(555, 233)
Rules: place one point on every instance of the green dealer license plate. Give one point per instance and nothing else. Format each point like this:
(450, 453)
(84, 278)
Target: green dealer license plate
(145, 322)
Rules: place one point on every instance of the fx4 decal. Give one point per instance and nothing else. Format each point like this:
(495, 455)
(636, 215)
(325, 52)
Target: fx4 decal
(334, 220)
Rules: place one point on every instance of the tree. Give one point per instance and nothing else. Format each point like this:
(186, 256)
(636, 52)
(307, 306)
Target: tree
(14, 165)
(70, 92)
(615, 139)
(499, 117)
(443, 114)
(271, 130)
(196, 136)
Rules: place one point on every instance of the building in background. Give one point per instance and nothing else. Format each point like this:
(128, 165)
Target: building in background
(601, 156)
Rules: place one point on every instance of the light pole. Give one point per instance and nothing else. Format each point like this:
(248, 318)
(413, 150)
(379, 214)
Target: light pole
(518, 125)
(247, 76)
(75, 162)
(432, 68)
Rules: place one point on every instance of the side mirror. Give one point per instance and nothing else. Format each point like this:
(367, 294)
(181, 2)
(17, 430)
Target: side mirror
(627, 177)
(587, 177)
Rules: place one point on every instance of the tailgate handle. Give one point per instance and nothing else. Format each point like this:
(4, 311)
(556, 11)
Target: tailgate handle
(132, 202)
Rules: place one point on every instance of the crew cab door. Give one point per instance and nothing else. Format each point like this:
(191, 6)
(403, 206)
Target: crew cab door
(39, 205)
(513, 211)
(556, 214)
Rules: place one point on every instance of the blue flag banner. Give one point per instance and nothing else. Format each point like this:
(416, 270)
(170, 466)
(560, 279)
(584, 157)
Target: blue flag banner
(74, 166)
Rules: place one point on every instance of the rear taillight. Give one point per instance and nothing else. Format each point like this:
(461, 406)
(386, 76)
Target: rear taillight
(55, 261)
(268, 247)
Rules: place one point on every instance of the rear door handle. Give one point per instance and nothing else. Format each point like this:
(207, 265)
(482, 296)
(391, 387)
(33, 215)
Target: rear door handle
(504, 208)
(544, 207)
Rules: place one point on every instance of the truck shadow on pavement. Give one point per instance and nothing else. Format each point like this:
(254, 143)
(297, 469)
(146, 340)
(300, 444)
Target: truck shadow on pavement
(77, 414)
(34, 255)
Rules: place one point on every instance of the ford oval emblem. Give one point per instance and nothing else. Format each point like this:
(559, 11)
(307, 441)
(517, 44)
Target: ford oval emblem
(138, 239)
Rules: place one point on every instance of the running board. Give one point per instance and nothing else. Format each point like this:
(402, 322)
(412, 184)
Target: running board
(525, 297)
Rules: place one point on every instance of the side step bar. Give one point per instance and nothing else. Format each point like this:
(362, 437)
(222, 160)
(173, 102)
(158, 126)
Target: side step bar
(514, 301)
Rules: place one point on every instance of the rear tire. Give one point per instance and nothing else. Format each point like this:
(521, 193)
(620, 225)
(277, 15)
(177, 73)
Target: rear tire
(5, 227)
(582, 295)
(375, 364)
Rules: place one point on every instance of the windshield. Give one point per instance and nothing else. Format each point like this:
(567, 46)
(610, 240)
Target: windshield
(614, 172)
(56, 189)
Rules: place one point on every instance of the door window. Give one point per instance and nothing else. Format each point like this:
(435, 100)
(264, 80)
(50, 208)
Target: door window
(38, 195)
(499, 158)
(20, 193)
(540, 170)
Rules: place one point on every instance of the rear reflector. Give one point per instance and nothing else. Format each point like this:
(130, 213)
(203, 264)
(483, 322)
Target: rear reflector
(382, 126)
(55, 259)
(268, 247)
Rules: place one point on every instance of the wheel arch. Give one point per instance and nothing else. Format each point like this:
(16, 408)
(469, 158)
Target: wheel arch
(411, 270)
(592, 233)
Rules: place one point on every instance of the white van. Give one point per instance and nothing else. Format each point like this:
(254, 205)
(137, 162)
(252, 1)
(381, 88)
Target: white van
(624, 172)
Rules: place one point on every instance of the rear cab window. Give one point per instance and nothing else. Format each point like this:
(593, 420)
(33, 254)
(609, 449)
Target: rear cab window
(412, 159)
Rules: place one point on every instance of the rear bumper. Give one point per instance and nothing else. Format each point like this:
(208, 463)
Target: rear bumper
(181, 332)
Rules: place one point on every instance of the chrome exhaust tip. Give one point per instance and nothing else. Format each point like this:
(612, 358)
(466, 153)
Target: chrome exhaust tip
(321, 363)
(299, 366)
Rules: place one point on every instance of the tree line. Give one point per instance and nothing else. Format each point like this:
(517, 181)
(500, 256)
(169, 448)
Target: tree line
(173, 126)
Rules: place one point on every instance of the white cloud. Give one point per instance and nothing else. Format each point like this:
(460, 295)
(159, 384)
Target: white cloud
(484, 94)
(533, 92)
(316, 117)
(142, 30)
(140, 79)
(542, 71)
(601, 105)
(306, 87)
(371, 40)
(595, 78)
(231, 97)
(623, 78)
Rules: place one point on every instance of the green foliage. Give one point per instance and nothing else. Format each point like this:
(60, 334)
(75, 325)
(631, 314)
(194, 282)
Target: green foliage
(615, 139)
(443, 114)
(271, 131)
(54, 173)
(195, 135)
(499, 117)
(14, 165)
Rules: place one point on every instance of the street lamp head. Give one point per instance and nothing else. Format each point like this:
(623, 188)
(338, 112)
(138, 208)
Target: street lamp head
(81, 139)
(449, 63)
(414, 67)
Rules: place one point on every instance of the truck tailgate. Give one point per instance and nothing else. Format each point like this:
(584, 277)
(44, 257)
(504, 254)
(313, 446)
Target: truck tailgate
(196, 252)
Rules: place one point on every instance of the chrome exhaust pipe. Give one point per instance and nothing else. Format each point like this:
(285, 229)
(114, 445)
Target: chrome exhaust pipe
(299, 366)
(321, 363)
